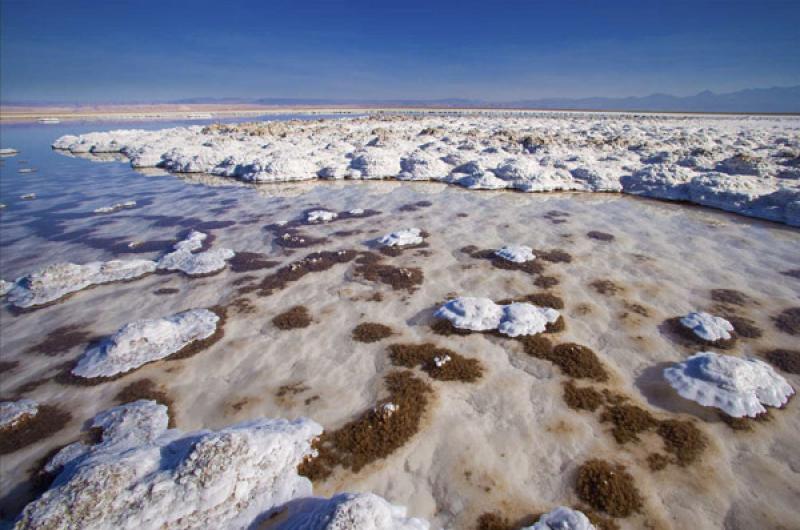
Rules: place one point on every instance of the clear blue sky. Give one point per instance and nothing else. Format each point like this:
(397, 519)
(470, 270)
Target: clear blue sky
(107, 50)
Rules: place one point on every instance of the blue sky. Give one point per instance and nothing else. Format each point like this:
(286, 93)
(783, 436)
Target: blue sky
(115, 51)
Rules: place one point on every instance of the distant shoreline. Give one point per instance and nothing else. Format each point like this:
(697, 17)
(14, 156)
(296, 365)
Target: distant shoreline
(24, 114)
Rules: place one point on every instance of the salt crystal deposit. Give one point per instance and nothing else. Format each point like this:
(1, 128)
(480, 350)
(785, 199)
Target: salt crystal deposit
(186, 260)
(482, 314)
(11, 412)
(350, 511)
(737, 386)
(707, 327)
(143, 475)
(562, 518)
(515, 253)
(401, 238)
(115, 207)
(60, 279)
(144, 341)
(320, 216)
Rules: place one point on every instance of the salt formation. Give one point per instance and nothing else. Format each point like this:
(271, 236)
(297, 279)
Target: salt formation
(515, 253)
(350, 511)
(356, 211)
(482, 314)
(562, 518)
(5, 287)
(739, 387)
(184, 258)
(143, 475)
(401, 238)
(115, 207)
(320, 216)
(708, 327)
(60, 279)
(7, 151)
(743, 165)
(12, 412)
(144, 341)
(26, 170)
(28, 196)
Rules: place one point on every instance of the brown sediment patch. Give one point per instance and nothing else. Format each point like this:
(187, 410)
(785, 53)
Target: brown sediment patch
(637, 308)
(786, 360)
(286, 392)
(445, 328)
(608, 487)
(744, 327)
(375, 297)
(600, 236)
(7, 366)
(605, 287)
(745, 423)
(243, 306)
(682, 439)
(371, 332)
(577, 361)
(614, 398)
(462, 214)
(62, 340)
(629, 421)
(457, 368)
(730, 296)
(555, 255)
(788, 321)
(346, 233)
(538, 299)
(294, 318)
(250, 261)
(600, 522)
(376, 433)
(371, 267)
(581, 398)
(494, 521)
(676, 330)
(546, 282)
(242, 280)
(166, 290)
(289, 237)
(537, 346)
(414, 206)
(556, 327)
(30, 429)
(147, 389)
(793, 273)
(657, 461)
(314, 262)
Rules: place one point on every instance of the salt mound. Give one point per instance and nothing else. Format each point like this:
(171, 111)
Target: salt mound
(60, 279)
(351, 511)
(320, 216)
(482, 314)
(142, 475)
(407, 236)
(12, 412)
(144, 341)
(184, 259)
(7, 151)
(739, 387)
(562, 518)
(515, 253)
(708, 327)
(115, 207)
(5, 287)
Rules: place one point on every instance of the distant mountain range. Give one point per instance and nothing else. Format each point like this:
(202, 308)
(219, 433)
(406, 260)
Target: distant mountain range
(776, 99)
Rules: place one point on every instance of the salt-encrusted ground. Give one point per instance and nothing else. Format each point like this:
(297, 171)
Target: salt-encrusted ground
(505, 443)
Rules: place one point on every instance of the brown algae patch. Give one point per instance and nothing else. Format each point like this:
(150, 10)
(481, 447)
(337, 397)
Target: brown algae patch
(629, 421)
(744, 327)
(371, 332)
(657, 461)
(788, 321)
(147, 389)
(62, 340)
(555, 255)
(294, 318)
(682, 439)
(314, 262)
(730, 297)
(600, 236)
(440, 363)
(786, 360)
(544, 299)
(445, 328)
(546, 282)
(31, 429)
(250, 261)
(744, 423)
(529, 267)
(376, 433)
(608, 488)
(163, 291)
(370, 266)
(582, 398)
(574, 360)
(605, 287)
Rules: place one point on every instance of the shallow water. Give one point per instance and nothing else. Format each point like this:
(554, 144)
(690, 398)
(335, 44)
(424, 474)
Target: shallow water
(506, 443)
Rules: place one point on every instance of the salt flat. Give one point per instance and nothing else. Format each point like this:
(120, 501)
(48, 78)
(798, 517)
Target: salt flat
(499, 436)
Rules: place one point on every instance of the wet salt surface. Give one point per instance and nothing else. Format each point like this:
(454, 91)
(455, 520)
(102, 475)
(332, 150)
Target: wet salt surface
(505, 443)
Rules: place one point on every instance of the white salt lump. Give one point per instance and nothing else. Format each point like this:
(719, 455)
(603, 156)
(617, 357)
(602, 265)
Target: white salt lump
(515, 253)
(144, 341)
(562, 518)
(482, 314)
(142, 475)
(738, 386)
(707, 327)
(401, 238)
(60, 279)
